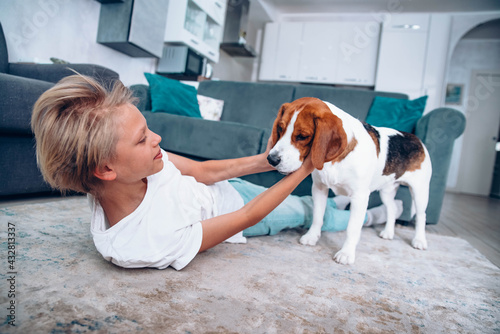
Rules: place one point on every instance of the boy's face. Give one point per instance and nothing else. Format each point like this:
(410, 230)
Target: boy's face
(138, 152)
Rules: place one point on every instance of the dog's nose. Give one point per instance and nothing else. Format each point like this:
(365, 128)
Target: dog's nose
(273, 159)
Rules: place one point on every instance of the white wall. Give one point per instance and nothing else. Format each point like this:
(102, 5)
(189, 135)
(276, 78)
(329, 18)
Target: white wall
(233, 68)
(469, 55)
(37, 30)
(246, 68)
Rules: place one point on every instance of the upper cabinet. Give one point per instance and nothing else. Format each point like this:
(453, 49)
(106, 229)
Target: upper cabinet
(321, 52)
(198, 24)
(318, 52)
(357, 53)
(402, 56)
(287, 55)
(134, 27)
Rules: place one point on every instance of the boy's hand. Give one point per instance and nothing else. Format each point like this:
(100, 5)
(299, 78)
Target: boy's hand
(270, 144)
(307, 165)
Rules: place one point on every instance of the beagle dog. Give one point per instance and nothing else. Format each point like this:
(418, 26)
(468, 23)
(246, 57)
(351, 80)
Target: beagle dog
(353, 159)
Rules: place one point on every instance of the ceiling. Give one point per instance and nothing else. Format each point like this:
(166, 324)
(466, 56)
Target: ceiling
(285, 7)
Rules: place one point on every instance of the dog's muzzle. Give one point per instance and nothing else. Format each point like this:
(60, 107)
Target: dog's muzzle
(274, 159)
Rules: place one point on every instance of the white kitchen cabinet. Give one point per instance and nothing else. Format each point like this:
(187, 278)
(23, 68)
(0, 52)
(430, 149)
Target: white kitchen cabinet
(268, 54)
(198, 24)
(319, 49)
(288, 51)
(402, 54)
(215, 9)
(320, 52)
(281, 52)
(358, 50)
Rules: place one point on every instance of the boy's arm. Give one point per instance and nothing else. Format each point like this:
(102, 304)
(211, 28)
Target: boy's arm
(218, 229)
(212, 171)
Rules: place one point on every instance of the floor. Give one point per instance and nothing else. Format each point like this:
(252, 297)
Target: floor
(473, 218)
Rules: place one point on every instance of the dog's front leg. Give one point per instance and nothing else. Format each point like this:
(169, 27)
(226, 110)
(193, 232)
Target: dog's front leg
(319, 195)
(359, 203)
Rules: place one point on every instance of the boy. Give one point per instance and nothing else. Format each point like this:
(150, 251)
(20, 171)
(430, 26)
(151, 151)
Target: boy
(151, 208)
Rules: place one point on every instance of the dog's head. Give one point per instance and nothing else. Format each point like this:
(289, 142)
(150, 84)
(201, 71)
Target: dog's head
(302, 127)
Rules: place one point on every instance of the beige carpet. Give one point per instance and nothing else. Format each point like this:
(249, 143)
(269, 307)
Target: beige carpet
(270, 285)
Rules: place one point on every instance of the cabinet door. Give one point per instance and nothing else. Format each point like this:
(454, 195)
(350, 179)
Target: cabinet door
(288, 51)
(216, 9)
(402, 55)
(318, 58)
(358, 49)
(268, 54)
(189, 24)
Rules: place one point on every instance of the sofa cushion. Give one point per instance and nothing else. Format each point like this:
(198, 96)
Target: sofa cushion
(172, 96)
(356, 102)
(202, 139)
(247, 102)
(399, 114)
(210, 108)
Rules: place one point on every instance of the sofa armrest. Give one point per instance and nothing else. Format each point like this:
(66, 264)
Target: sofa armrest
(204, 139)
(441, 125)
(17, 97)
(55, 72)
(438, 130)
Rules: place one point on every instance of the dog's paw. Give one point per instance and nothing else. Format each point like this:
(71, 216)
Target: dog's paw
(419, 243)
(344, 257)
(309, 239)
(385, 234)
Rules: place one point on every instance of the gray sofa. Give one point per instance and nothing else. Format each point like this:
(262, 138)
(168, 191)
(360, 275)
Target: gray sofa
(248, 115)
(20, 87)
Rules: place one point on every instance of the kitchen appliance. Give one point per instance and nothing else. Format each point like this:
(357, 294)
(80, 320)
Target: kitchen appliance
(179, 60)
(234, 41)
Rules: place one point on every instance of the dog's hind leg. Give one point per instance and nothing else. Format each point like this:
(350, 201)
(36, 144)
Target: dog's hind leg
(420, 194)
(359, 203)
(320, 196)
(387, 195)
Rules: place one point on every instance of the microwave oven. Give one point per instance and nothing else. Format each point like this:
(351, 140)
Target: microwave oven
(180, 60)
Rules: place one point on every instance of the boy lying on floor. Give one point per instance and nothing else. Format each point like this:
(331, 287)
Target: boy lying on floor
(151, 208)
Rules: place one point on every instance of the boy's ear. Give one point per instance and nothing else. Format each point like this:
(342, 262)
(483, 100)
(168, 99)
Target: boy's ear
(105, 173)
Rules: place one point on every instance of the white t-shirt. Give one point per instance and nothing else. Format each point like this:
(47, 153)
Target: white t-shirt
(165, 229)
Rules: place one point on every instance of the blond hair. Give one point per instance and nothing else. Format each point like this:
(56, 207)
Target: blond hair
(74, 127)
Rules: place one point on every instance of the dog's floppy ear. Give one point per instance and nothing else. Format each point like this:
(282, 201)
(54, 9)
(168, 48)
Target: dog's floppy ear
(329, 141)
(281, 112)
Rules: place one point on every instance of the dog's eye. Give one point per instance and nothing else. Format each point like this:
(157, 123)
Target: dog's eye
(301, 137)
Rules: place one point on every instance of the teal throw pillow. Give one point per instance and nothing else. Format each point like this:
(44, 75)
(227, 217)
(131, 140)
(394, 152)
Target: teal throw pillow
(172, 96)
(399, 114)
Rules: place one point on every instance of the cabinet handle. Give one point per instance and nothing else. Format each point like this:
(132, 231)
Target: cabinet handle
(211, 53)
(194, 41)
(218, 5)
(407, 26)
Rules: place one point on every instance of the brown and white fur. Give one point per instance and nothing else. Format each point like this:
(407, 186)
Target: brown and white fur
(353, 159)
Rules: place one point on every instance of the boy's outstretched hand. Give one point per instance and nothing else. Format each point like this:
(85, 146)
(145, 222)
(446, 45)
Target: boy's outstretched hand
(307, 165)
